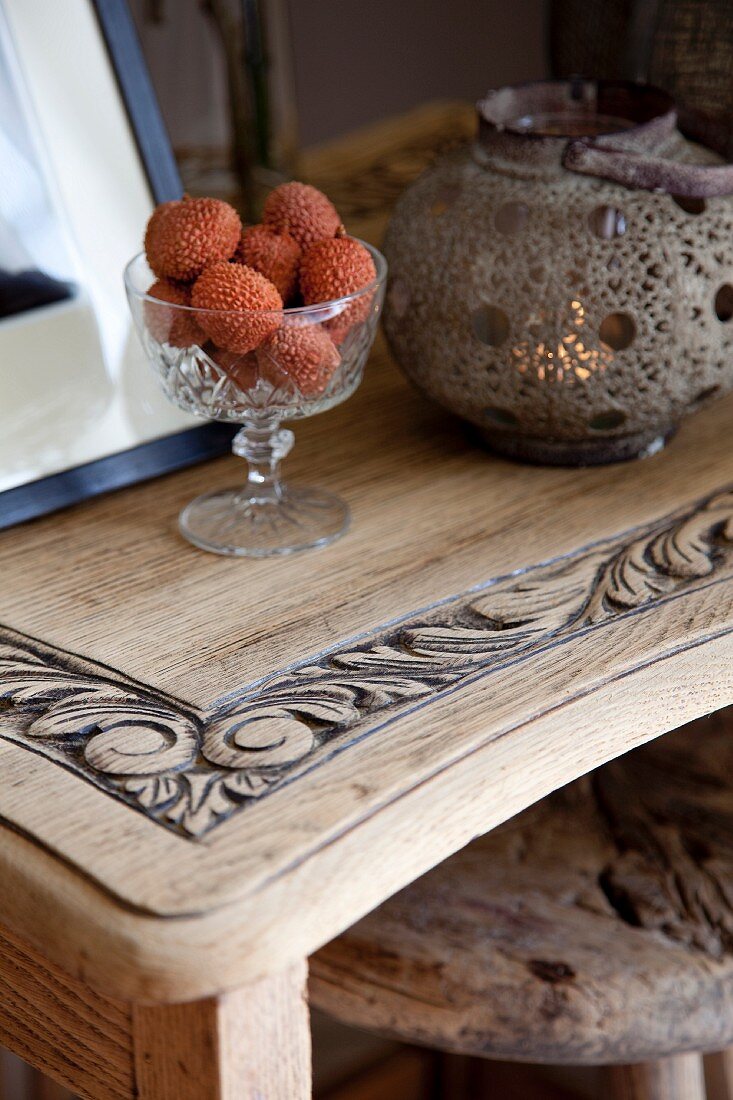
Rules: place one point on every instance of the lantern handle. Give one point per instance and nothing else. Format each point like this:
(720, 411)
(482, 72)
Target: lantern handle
(648, 173)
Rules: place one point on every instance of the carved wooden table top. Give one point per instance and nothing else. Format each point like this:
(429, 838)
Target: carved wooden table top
(209, 767)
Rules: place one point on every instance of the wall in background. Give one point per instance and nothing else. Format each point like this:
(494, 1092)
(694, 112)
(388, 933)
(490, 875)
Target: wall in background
(355, 60)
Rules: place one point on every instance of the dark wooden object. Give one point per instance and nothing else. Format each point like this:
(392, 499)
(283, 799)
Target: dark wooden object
(684, 46)
(595, 928)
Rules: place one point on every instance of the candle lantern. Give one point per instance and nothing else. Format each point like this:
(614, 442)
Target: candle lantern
(566, 284)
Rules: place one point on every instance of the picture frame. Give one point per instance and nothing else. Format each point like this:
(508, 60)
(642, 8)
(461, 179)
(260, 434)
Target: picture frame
(71, 365)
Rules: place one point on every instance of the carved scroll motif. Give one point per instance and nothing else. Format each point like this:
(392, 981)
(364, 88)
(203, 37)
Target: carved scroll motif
(190, 769)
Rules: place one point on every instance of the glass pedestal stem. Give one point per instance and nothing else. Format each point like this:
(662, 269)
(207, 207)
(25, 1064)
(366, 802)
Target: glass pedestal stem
(264, 445)
(266, 516)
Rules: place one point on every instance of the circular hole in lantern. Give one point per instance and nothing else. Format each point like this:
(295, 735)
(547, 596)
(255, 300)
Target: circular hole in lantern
(607, 222)
(491, 325)
(607, 421)
(511, 218)
(617, 331)
(501, 418)
(690, 204)
(724, 303)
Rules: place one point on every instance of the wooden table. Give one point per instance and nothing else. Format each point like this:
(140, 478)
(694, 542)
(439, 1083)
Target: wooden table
(210, 767)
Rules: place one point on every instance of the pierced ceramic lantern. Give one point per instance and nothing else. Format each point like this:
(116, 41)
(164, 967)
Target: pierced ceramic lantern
(566, 284)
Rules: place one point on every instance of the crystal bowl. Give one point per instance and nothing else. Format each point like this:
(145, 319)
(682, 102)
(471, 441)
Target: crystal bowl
(312, 359)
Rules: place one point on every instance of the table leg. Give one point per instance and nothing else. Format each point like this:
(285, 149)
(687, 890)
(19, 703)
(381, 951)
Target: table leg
(250, 1044)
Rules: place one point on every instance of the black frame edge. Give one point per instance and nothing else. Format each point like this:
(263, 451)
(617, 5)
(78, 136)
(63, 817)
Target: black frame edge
(141, 463)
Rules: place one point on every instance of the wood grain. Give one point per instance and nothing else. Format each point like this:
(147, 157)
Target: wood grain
(56, 1024)
(679, 1078)
(267, 881)
(592, 929)
(433, 515)
(473, 789)
(250, 1045)
(254, 1043)
(191, 769)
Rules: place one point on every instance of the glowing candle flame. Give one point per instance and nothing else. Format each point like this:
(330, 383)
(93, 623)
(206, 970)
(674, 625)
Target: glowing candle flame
(561, 358)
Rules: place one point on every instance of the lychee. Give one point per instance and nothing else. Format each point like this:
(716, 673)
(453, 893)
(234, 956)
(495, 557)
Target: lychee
(272, 252)
(184, 236)
(306, 354)
(302, 211)
(333, 269)
(177, 327)
(238, 307)
(339, 327)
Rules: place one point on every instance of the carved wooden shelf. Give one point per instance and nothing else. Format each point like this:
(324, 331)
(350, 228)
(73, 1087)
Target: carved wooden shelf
(210, 767)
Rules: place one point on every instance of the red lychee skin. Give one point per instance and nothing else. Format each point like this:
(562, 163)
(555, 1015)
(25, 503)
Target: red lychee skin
(183, 237)
(274, 254)
(302, 211)
(176, 327)
(332, 269)
(306, 354)
(254, 305)
(340, 327)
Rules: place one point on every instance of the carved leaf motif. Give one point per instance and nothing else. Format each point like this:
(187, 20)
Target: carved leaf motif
(329, 704)
(149, 743)
(153, 792)
(262, 737)
(135, 737)
(193, 774)
(684, 552)
(543, 602)
(629, 581)
(384, 658)
(463, 642)
(376, 692)
(204, 799)
(253, 735)
(516, 613)
(662, 562)
(201, 802)
(128, 732)
(687, 550)
(26, 681)
(250, 784)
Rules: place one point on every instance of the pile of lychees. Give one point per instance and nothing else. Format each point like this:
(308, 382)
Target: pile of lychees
(238, 281)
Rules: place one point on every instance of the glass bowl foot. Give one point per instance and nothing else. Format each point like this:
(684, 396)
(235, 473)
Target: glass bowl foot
(231, 522)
